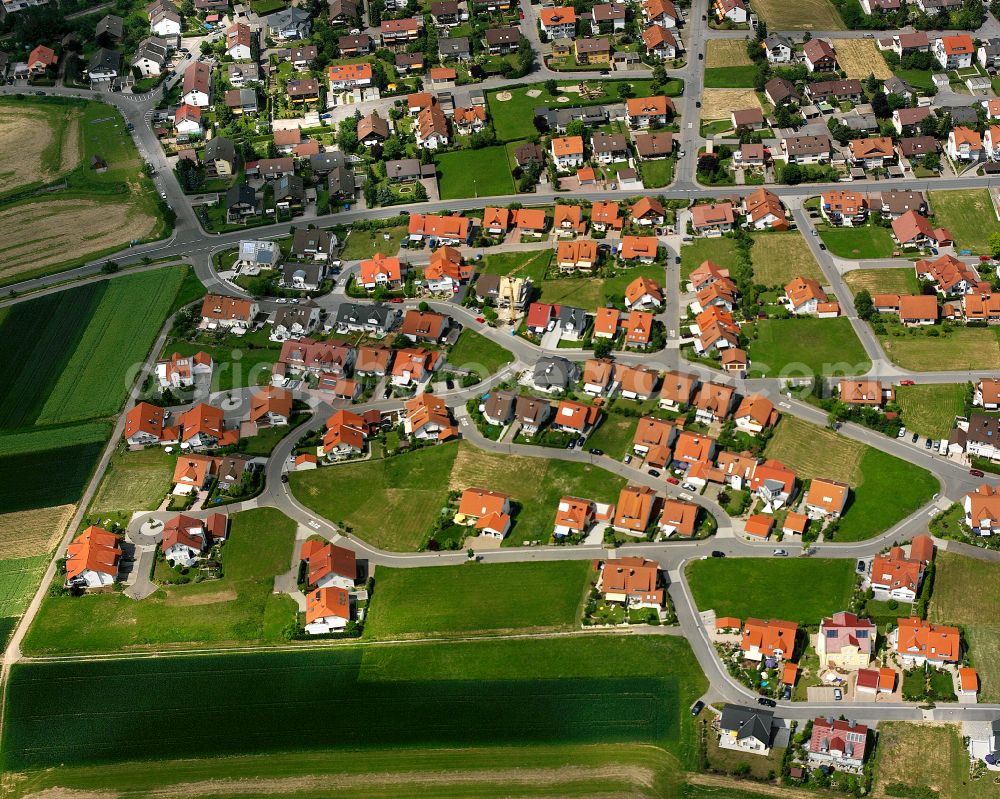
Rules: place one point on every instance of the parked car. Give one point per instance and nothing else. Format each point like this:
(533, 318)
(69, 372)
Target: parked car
(902, 432)
(838, 694)
(653, 473)
(763, 700)
(780, 553)
(929, 443)
(673, 481)
(976, 472)
(284, 478)
(907, 383)
(861, 566)
(697, 707)
(689, 487)
(395, 299)
(627, 459)
(718, 553)
(914, 438)
(594, 451)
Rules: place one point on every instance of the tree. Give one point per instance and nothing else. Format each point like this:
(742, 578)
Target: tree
(393, 149)
(995, 245)
(576, 128)
(871, 84)
(880, 106)
(625, 90)
(552, 87)
(347, 135)
(602, 347)
(863, 304)
(791, 174)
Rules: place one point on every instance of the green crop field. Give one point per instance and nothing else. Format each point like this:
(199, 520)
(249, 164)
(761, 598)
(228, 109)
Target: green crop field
(474, 351)
(238, 608)
(476, 598)
(737, 77)
(474, 173)
(412, 489)
(584, 689)
(772, 589)
(116, 340)
(778, 258)
(805, 346)
(56, 437)
(47, 477)
(580, 771)
(18, 580)
(955, 349)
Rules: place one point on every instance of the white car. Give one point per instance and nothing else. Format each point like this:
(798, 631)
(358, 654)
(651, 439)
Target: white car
(902, 433)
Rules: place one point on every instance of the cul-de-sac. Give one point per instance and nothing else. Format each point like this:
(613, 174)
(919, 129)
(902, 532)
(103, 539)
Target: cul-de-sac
(500, 398)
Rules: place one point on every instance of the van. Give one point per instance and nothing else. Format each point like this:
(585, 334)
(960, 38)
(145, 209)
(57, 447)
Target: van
(943, 447)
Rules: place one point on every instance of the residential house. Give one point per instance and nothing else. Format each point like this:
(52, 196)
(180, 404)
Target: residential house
(294, 321)
(576, 516)
(426, 417)
(807, 149)
(637, 382)
(918, 642)
(677, 390)
(185, 537)
(469, 120)
(678, 518)
(328, 610)
(271, 407)
(489, 512)
(777, 48)
(779, 91)
(499, 408)
(755, 414)
(228, 312)
(567, 152)
(713, 218)
(987, 394)
(329, 564)
(558, 22)
(373, 130)
(836, 91)
(896, 575)
(954, 52)
(180, 371)
(661, 13)
(151, 57)
(845, 641)
(567, 220)
(638, 328)
(951, 276)
(93, 559)
(577, 256)
(194, 473)
(746, 729)
(239, 40)
(660, 42)
(196, 88)
(768, 638)
(964, 144)
(982, 510)
(843, 207)
(774, 483)
(501, 41)
(764, 211)
(873, 152)
(804, 296)
(451, 230)
(650, 146)
(643, 294)
(347, 77)
(553, 374)
(895, 203)
(646, 112)
(714, 402)
(424, 326)
(608, 148)
(634, 511)
(636, 582)
(290, 23)
(648, 212)
(575, 417)
(826, 499)
(432, 128)
(374, 319)
(819, 56)
(908, 119)
(592, 51)
(838, 744)
(870, 393)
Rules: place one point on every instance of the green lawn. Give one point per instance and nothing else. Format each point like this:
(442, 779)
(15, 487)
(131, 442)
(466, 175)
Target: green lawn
(869, 241)
(586, 689)
(530, 263)
(412, 489)
(721, 250)
(614, 435)
(474, 173)
(657, 173)
(476, 598)
(805, 346)
(968, 214)
(514, 118)
(134, 481)
(931, 409)
(919, 79)
(239, 608)
(738, 77)
(780, 257)
(362, 243)
(478, 353)
(772, 588)
(592, 292)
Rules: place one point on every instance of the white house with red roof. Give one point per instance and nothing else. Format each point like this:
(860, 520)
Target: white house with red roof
(329, 565)
(180, 371)
(92, 559)
(838, 743)
(185, 537)
(328, 610)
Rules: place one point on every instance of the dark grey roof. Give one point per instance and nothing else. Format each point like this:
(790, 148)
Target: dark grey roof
(554, 372)
(776, 40)
(572, 318)
(488, 286)
(324, 162)
(960, 114)
(748, 722)
(152, 48)
(309, 240)
(289, 186)
(897, 86)
(403, 169)
(457, 46)
(106, 60)
(379, 315)
(860, 122)
(984, 429)
(288, 315)
(780, 88)
(110, 26)
(311, 273)
(341, 181)
(241, 194)
(220, 149)
(531, 408)
(500, 405)
(291, 18)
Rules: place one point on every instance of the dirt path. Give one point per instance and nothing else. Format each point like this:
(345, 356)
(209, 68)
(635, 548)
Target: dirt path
(764, 788)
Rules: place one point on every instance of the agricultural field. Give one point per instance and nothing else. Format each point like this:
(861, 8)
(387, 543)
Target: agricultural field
(964, 595)
(578, 690)
(512, 109)
(805, 346)
(882, 281)
(474, 351)
(47, 478)
(412, 489)
(541, 770)
(960, 348)
(28, 533)
(968, 214)
(735, 77)
(721, 251)
(885, 489)
(860, 58)
(915, 758)
(726, 53)
(772, 589)
(805, 15)
(94, 213)
(19, 579)
(780, 257)
(362, 243)
(867, 241)
(51, 382)
(721, 102)
(134, 481)
(476, 598)
(239, 608)
(37, 144)
(474, 173)
(931, 409)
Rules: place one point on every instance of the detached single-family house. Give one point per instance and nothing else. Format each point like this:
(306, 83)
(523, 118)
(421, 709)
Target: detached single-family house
(845, 641)
(92, 559)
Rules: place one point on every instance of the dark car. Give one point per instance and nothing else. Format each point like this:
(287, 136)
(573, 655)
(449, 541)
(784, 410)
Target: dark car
(718, 553)
(697, 707)
(284, 478)
(915, 438)
(861, 565)
(596, 451)
(976, 472)
(763, 700)
(697, 104)
(653, 473)
(701, 56)
(822, 246)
